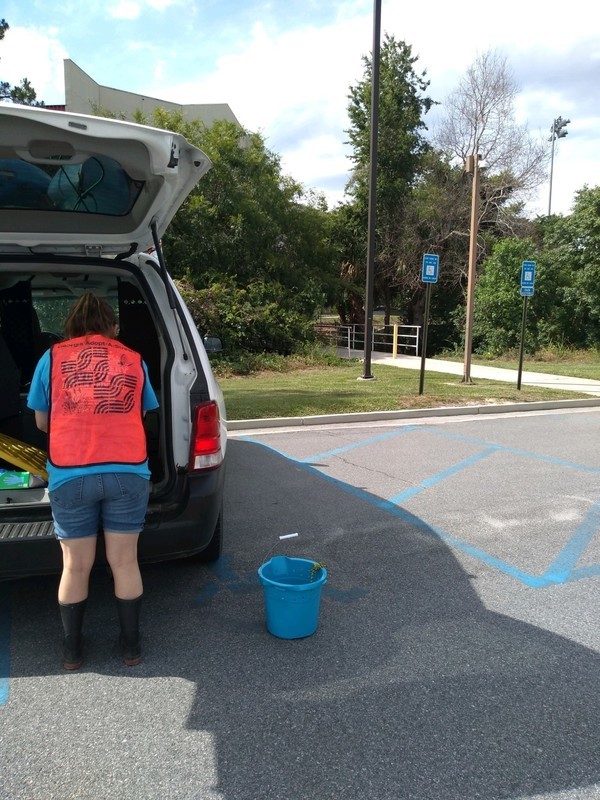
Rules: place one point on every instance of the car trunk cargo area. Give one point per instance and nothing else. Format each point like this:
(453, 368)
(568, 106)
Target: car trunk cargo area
(34, 302)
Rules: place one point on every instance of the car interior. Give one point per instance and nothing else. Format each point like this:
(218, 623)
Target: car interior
(33, 308)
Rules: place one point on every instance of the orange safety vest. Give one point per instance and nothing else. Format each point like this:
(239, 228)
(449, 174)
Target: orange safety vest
(96, 386)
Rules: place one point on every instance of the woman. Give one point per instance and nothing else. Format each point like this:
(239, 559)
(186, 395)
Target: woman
(90, 393)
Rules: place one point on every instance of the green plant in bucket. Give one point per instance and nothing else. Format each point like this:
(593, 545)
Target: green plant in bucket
(315, 568)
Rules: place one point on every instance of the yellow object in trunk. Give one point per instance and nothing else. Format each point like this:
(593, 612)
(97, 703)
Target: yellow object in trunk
(23, 455)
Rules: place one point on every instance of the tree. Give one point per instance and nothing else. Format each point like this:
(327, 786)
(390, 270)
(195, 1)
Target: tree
(24, 93)
(572, 251)
(402, 148)
(479, 118)
(565, 309)
(498, 305)
(253, 232)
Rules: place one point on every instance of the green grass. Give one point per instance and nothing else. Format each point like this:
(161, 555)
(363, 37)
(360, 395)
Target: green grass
(337, 390)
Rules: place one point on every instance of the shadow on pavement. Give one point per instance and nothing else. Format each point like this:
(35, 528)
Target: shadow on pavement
(409, 689)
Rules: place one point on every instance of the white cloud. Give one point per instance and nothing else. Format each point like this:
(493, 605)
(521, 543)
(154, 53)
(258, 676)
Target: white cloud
(292, 86)
(268, 76)
(159, 70)
(320, 159)
(161, 5)
(133, 9)
(38, 55)
(125, 9)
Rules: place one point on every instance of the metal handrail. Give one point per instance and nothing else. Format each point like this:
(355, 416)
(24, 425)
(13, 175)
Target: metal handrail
(406, 336)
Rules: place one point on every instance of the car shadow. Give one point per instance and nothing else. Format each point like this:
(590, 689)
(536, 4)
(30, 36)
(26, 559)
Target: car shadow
(410, 688)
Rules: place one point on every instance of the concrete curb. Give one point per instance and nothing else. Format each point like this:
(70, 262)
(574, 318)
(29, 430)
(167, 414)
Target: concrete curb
(409, 413)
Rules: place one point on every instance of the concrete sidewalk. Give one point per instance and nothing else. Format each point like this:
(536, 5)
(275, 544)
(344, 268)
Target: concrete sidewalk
(583, 385)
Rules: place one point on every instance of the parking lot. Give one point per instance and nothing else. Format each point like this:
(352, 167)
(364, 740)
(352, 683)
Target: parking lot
(457, 655)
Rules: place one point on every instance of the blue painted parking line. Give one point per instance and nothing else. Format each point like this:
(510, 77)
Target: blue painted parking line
(564, 564)
(562, 571)
(4, 645)
(513, 450)
(338, 450)
(402, 497)
(438, 432)
(593, 571)
(354, 445)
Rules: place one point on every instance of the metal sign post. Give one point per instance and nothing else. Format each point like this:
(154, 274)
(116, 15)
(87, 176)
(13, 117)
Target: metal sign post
(429, 275)
(527, 288)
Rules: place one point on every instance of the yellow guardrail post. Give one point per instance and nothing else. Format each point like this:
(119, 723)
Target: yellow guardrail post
(395, 342)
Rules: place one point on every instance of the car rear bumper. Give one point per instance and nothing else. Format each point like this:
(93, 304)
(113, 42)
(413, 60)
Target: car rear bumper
(175, 529)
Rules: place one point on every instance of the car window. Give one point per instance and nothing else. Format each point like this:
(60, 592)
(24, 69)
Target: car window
(52, 311)
(99, 185)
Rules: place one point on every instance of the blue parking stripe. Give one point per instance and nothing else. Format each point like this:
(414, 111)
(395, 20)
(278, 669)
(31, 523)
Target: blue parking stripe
(561, 572)
(593, 571)
(4, 645)
(533, 581)
(402, 497)
(438, 431)
(564, 563)
(354, 445)
(385, 505)
(513, 450)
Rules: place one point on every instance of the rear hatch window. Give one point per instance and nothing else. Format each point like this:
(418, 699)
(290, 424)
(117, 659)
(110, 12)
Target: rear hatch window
(99, 185)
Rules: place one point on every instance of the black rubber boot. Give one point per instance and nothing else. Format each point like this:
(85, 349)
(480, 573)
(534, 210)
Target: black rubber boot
(71, 615)
(129, 621)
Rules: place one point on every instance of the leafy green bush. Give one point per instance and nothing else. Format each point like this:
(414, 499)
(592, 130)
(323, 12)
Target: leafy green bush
(259, 318)
(226, 365)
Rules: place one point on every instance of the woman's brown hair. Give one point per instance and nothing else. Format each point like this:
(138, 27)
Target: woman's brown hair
(90, 314)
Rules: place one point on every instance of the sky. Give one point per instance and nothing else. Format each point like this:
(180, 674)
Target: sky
(285, 66)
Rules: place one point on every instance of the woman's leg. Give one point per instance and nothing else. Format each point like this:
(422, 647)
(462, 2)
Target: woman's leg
(78, 559)
(123, 515)
(121, 554)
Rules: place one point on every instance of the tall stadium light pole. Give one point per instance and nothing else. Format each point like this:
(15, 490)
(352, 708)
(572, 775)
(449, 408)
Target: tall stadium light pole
(557, 131)
(372, 191)
(471, 168)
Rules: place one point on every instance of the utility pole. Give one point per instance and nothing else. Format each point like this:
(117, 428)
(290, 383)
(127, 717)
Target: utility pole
(367, 375)
(557, 131)
(471, 168)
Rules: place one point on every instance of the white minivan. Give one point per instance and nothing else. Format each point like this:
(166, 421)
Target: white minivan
(84, 202)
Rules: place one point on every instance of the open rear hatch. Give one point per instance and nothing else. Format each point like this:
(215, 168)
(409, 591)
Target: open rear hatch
(76, 184)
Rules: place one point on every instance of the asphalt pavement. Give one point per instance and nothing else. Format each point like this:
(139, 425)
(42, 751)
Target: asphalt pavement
(457, 652)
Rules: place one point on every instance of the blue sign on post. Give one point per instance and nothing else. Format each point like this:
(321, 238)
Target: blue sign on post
(527, 282)
(431, 264)
(527, 278)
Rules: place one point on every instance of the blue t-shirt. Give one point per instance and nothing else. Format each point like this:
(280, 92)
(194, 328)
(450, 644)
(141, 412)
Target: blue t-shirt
(38, 399)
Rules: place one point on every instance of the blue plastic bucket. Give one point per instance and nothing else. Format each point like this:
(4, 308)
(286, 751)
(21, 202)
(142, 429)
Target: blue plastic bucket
(291, 598)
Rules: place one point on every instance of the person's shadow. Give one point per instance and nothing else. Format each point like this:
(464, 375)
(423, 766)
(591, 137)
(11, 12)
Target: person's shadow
(410, 688)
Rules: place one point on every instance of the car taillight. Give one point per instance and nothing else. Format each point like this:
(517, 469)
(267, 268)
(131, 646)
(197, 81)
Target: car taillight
(206, 437)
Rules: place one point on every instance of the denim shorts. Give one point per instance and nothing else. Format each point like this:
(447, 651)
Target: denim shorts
(111, 501)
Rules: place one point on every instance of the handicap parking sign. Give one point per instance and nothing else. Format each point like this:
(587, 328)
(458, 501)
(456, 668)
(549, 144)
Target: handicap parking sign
(429, 273)
(528, 275)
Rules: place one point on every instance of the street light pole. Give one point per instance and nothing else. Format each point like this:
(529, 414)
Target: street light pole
(372, 191)
(472, 168)
(557, 131)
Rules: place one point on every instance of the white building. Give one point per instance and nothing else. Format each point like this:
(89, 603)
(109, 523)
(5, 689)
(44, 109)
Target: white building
(84, 96)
